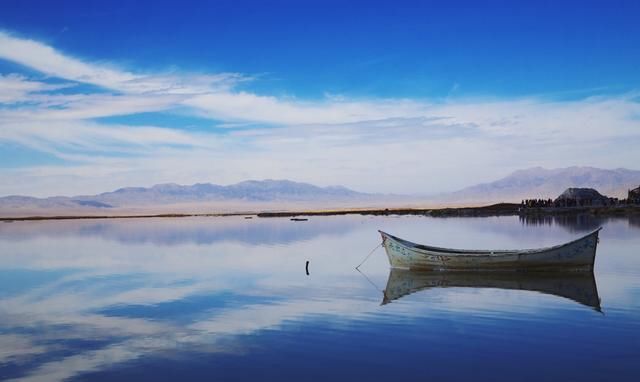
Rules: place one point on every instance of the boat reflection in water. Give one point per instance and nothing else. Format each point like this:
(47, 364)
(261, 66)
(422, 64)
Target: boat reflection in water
(577, 286)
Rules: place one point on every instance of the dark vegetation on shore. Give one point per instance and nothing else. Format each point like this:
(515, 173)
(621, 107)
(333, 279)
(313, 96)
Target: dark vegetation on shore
(624, 210)
(500, 209)
(492, 210)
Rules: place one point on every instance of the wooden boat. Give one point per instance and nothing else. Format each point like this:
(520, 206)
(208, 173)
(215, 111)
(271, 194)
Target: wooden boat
(575, 255)
(577, 286)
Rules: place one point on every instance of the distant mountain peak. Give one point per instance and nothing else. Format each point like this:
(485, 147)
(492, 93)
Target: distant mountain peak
(266, 190)
(540, 182)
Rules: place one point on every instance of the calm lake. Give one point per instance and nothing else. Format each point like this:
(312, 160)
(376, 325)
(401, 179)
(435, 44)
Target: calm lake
(229, 299)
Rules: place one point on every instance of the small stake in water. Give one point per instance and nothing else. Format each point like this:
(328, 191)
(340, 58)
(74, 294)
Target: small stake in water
(307, 267)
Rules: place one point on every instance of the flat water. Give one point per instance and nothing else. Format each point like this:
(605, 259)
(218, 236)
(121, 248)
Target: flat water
(230, 299)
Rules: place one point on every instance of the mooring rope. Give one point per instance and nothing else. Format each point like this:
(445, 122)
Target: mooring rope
(370, 282)
(370, 253)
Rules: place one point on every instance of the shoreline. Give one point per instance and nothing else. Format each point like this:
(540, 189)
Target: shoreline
(145, 216)
(499, 209)
(491, 210)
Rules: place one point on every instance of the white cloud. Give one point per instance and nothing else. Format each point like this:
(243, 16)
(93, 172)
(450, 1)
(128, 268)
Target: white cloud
(79, 107)
(68, 138)
(45, 59)
(385, 145)
(16, 88)
(245, 106)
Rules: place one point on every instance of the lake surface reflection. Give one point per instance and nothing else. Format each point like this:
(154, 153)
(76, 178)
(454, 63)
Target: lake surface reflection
(229, 299)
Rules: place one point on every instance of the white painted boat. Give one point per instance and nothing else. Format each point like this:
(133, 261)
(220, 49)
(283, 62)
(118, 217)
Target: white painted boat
(577, 286)
(576, 255)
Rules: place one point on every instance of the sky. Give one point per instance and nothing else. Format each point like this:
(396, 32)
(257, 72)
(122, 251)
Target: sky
(398, 97)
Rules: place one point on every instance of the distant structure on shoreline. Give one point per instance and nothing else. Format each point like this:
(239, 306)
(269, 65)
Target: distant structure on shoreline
(633, 197)
(582, 197)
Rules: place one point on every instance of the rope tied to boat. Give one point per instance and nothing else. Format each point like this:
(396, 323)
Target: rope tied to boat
(371, 282)
(369, 255)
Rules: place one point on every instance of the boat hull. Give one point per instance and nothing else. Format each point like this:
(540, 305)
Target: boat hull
(577, 255)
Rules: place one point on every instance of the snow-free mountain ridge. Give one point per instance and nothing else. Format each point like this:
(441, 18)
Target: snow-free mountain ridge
(538, 182)
(252, 195)
(171, 193)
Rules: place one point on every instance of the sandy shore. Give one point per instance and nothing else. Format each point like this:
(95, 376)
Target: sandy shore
(500, 209)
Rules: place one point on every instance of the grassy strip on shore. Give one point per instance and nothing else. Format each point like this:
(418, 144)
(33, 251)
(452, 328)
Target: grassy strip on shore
(500, 209)
(492, 210)
(496, 209)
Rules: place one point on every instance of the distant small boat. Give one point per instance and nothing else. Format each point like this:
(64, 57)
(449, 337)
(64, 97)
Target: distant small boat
(577, 286)
(298, 219)
(579, 254)
(248, 217)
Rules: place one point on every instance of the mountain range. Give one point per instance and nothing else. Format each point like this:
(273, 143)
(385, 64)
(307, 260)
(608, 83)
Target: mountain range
(255, 195)
(244, 195)
(538, 182)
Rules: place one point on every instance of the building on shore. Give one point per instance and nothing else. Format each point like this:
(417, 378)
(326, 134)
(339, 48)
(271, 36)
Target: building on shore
(582, 197)
(634, 196)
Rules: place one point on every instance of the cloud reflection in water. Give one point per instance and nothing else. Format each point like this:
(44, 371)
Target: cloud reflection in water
(119, 292)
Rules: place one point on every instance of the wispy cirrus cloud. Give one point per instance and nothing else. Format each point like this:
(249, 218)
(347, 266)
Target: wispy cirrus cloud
(375, 144)
(210, 95)
(47, 60)
(17, 88)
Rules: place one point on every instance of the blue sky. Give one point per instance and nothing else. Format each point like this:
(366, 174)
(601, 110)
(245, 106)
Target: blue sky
(389, 97)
